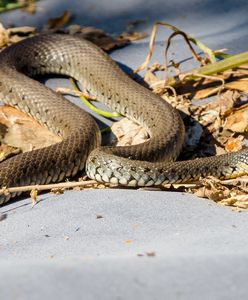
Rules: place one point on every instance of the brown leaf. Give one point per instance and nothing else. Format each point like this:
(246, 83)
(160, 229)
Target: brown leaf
(240, 85)
(151, 254)
(21, 131)
(7, 151)
(58, 191)
(99, 216)
(23, 30)
(133, 35)
(150, 78)
(238, 121)
(240, 201)
(30, 6)
(128, 242)
(200, 88)
(212, 189)
(129, 133)
(4, 37)
(213, 112)
(34, 195)
(14, 35)
(58, 22)
(97, 36)
(15, 39)
(233, 144)
(225, 102)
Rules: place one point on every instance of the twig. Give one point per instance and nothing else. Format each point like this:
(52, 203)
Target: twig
(234, 181)
(213, 78)
(176, 30)
(44, 187)
(77, 93)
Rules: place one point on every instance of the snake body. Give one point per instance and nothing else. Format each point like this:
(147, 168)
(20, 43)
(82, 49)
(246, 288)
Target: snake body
(150, 163)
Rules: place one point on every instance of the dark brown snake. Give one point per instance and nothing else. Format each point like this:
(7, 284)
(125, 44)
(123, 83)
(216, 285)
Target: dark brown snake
(146, 164)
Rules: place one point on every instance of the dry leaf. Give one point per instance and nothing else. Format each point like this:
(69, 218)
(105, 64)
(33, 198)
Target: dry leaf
(225, 102)
(21, 131)
(151, 254)
(58, 191)
(233, 144)
(134, 23)
(231, 192)
(34, 195)
(99, 216)
(30, 6)
(97, 36)
(128, 242)
(133, 35)
(7, 151)
(4, 37)
(151, 79)
(14, 35)
(58, 22)
(240, 85)
(3, 217)
(212, 189)
(240, 201)
(238, 121)
(129, 133)
(23, 30)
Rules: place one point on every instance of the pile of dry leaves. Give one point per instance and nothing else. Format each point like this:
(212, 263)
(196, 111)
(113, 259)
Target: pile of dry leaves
(215, 127)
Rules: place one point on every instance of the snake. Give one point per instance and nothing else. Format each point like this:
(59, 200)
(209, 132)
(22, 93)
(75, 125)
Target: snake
(147, 164)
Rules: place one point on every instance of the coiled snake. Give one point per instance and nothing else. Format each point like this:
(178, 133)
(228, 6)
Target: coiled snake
(146, 164)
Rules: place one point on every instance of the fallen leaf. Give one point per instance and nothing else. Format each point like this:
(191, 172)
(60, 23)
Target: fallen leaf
(22, 131)
(97, 36)
(23, 30)
(4, 37)
(150, 254)
(34, 195)
(58, 191)
(238, 121)
(58, 22)
(233, 144)
(240, 201)
(3, 217)
(29, 6)
(7, 151)
(129, 133)
(14, 35)
(151, 79)
(134, 23)
(240, 85)
(212, 189)
(128, 242)
(99, 216)
(132, 35)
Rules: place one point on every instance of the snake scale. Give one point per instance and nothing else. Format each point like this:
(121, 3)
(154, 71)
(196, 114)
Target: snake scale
(150, 163)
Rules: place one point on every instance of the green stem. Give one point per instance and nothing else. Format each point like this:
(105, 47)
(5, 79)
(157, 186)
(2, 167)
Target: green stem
(100, 112)
(204, 48)
(220, 66)
(5, 6)
(9, 6)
